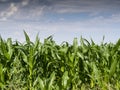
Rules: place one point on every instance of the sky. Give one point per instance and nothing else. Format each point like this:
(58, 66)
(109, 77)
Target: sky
(63, 19)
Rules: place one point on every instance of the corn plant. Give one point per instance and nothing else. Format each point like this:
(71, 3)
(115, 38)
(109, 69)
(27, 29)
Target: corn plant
(82, 65)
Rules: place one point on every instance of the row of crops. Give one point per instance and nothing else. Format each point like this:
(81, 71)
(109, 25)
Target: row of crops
(82, 65)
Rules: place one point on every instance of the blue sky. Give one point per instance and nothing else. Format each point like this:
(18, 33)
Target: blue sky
(64, 19)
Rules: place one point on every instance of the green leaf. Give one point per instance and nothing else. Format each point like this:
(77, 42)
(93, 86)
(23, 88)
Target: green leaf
(75, 45)
(41, 83)
(65, 79)
(52, 78)
(80, 55)
(25, 59)
(1, 74)
(10, 49)
(27, 38)
(37, 41)
(113, 67)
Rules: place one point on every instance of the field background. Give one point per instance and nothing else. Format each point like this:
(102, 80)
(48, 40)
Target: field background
(77, 48)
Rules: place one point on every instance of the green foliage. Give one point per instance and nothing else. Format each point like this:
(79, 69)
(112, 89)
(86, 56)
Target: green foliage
(49, 66)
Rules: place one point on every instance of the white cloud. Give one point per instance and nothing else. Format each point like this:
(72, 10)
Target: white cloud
(60, 30)
(101, 20)
(3, 19)
(97, 23)
(78, 6)
(68, 30)
(20, 11)
(36, 9)
(11, 10)
(25, 2)
(3, 0)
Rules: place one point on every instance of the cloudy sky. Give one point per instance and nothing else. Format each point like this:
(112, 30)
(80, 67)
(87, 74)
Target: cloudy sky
(64, 19)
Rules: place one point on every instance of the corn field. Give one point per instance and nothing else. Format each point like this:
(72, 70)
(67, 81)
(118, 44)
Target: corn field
(82, 65)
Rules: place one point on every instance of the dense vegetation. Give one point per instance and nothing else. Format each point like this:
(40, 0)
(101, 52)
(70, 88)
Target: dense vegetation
(49, 66)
